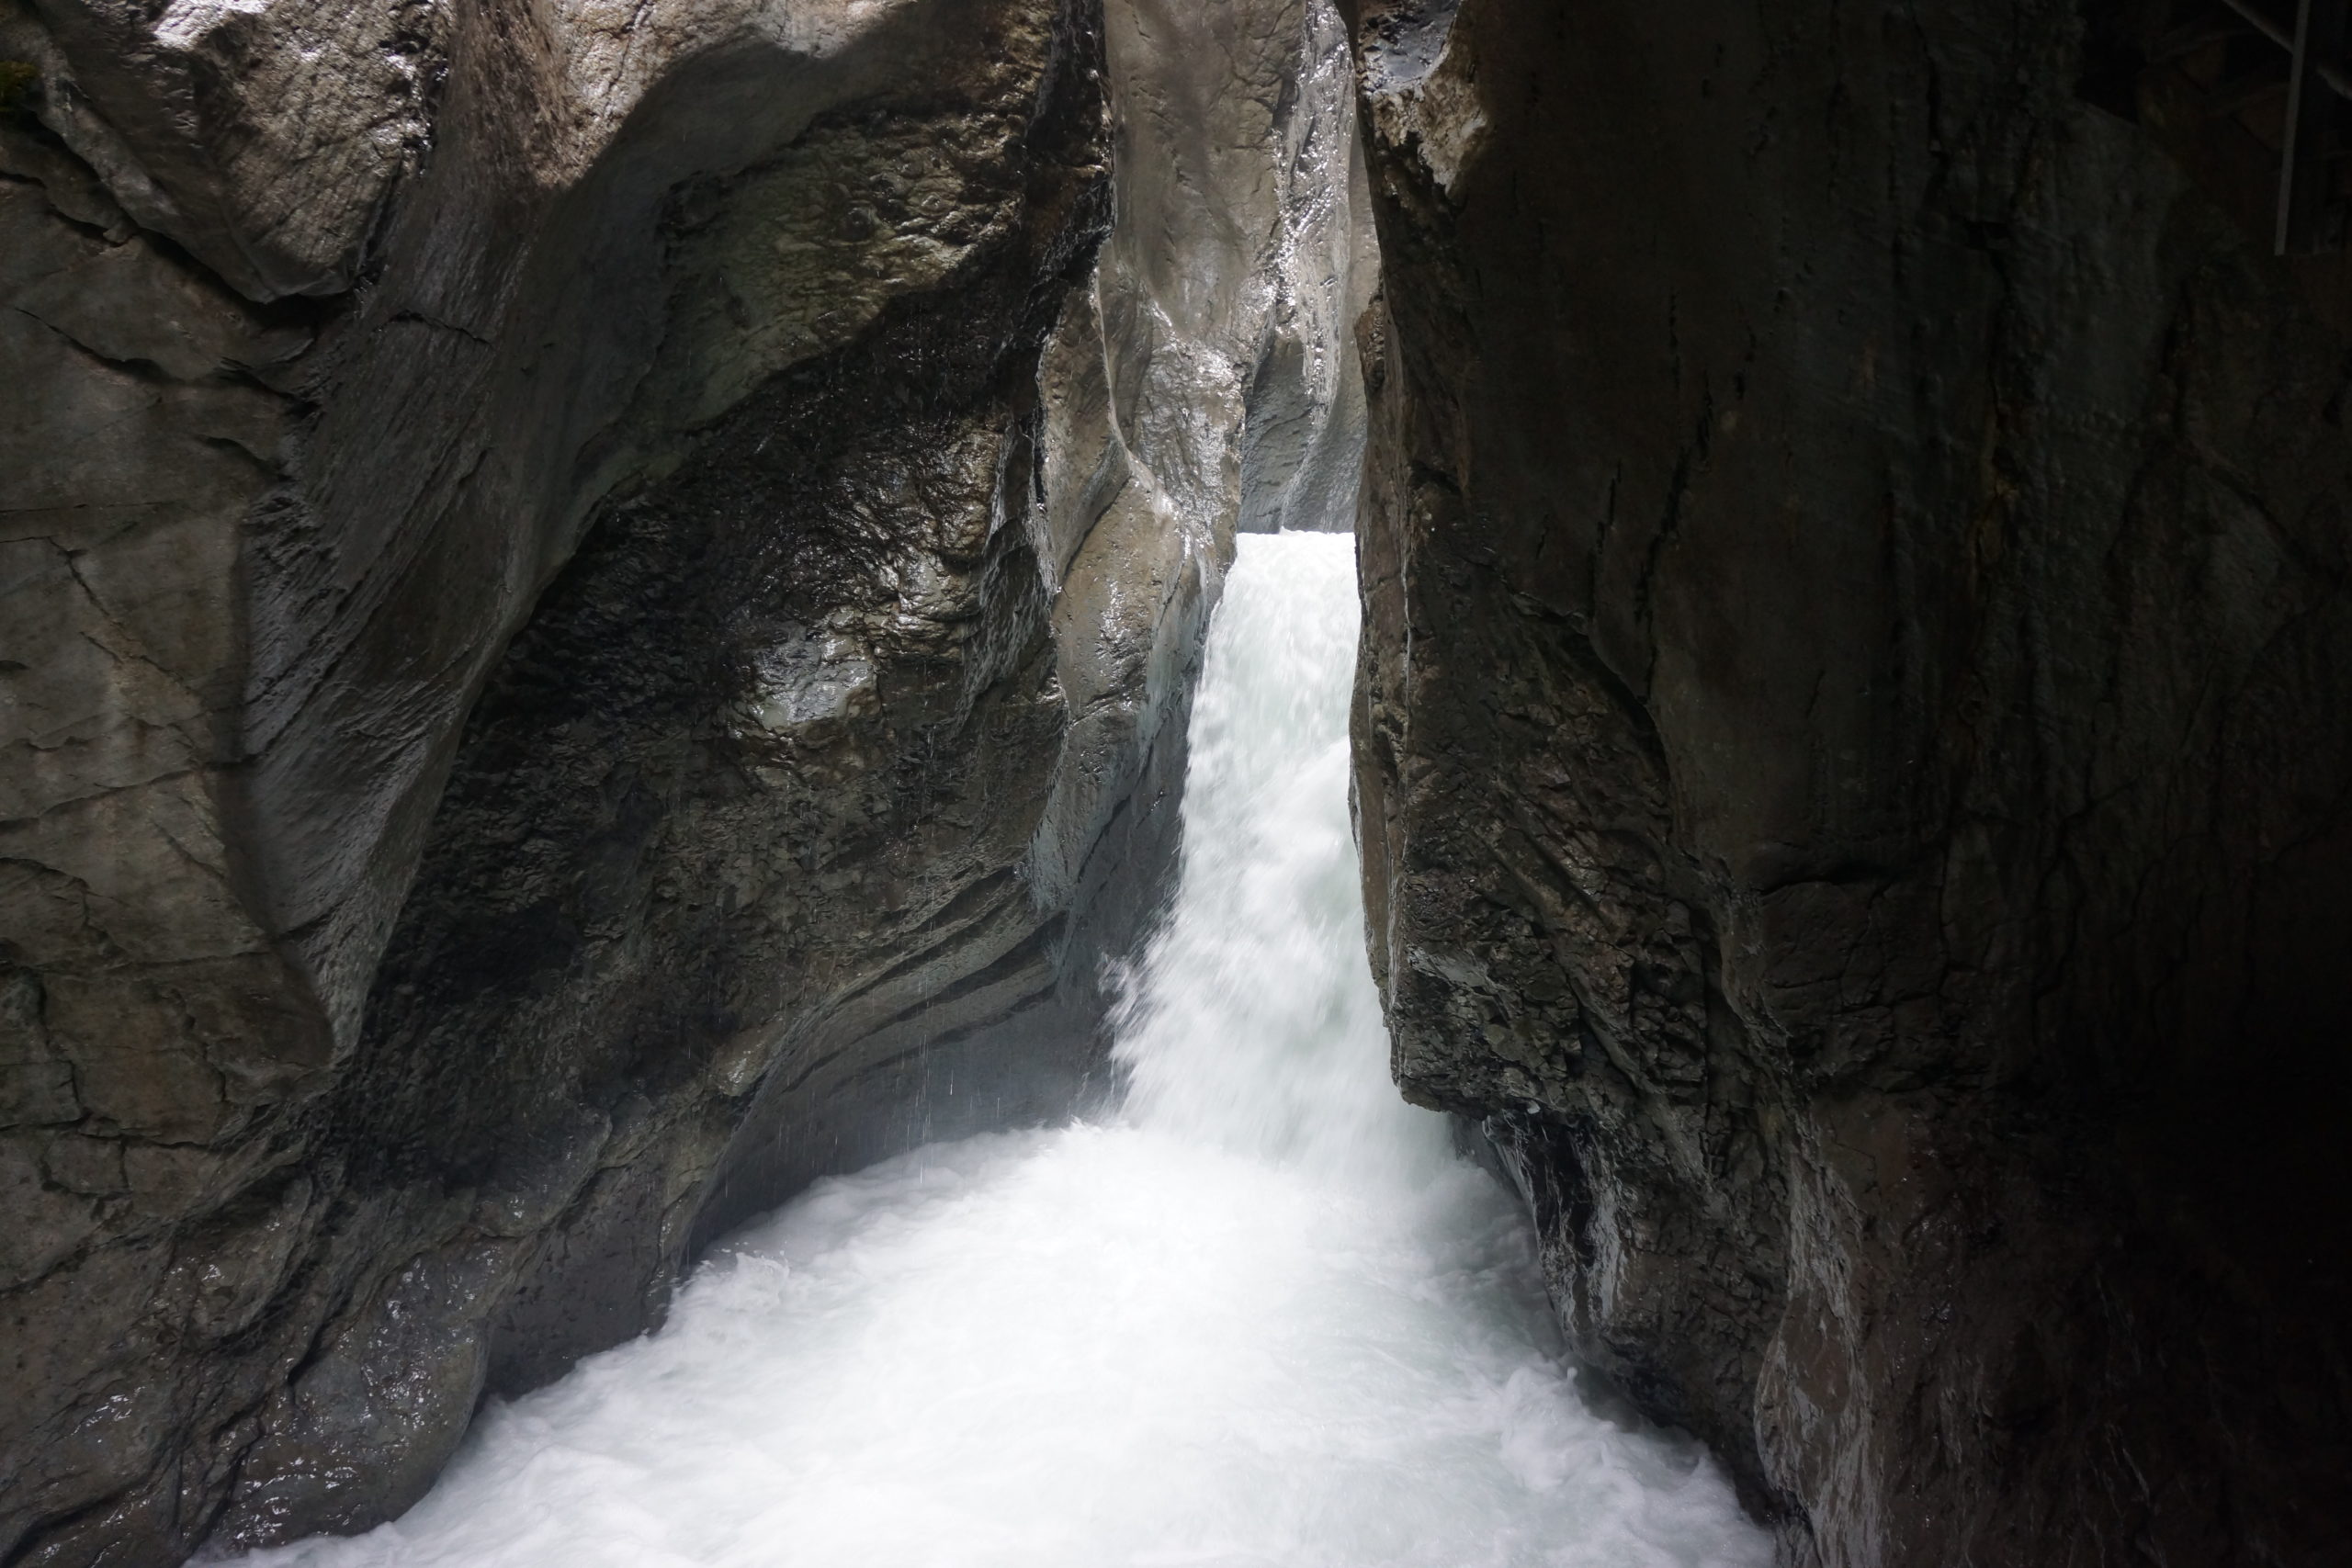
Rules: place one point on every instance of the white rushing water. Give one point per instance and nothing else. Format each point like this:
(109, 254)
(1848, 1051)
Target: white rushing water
(1265, 1319)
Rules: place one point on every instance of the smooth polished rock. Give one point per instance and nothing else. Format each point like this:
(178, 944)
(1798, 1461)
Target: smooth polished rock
(600, 604)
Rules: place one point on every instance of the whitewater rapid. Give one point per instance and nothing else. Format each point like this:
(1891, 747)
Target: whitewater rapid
(1264, 1319)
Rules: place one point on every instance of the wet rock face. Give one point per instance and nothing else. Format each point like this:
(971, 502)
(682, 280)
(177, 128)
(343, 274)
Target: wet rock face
(599, 615)
(1853, 758)
(358, 1057)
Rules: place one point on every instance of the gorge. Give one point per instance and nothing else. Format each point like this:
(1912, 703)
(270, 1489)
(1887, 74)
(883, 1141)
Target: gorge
(1264, 1314)
(603, 603)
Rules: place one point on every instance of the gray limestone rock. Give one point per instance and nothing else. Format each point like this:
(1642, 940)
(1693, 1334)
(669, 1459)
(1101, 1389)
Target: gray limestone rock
(600, 604)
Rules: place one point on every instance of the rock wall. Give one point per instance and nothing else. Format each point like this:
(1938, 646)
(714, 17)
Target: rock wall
(1202, 378)
(599, 609)
(1854, 760)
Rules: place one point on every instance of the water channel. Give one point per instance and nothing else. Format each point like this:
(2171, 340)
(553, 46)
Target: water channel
(1264, 1318)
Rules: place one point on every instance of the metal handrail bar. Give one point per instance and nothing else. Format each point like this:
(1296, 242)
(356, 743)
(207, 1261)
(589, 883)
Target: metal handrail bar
(2337, 78)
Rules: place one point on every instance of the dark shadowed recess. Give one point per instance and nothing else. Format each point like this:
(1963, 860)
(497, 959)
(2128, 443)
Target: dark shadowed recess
(1856, 774)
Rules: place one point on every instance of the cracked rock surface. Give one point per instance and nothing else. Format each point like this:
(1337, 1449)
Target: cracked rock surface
(599, 602)
(1854, 762)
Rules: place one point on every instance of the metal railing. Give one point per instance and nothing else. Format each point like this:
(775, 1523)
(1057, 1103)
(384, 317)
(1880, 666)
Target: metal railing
(2315, 40)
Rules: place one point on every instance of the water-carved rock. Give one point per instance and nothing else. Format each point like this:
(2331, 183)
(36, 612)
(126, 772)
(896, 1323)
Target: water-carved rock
(1853, 761)
(601, 604)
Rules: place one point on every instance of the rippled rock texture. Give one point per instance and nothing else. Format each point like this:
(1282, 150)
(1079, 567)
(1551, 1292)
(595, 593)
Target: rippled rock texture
(599, 603)
(1855, 757)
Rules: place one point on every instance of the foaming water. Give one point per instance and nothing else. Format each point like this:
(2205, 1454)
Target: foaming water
(1266, 1320)
(1256, 1027)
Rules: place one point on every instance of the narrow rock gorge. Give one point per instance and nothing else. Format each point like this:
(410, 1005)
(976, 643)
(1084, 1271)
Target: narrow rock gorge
(600, 605)
(1852, 745)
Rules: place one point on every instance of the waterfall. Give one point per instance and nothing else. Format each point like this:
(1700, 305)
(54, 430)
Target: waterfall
(1264, 1319)
(1254, 1025)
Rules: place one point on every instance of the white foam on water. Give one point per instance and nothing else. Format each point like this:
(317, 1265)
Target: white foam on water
(1266, 1320)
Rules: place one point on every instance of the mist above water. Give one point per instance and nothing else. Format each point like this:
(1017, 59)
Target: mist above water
(1265, 1319)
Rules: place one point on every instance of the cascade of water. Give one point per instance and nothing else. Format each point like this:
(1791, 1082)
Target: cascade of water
(1254, 1024)
(1265, 1321)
